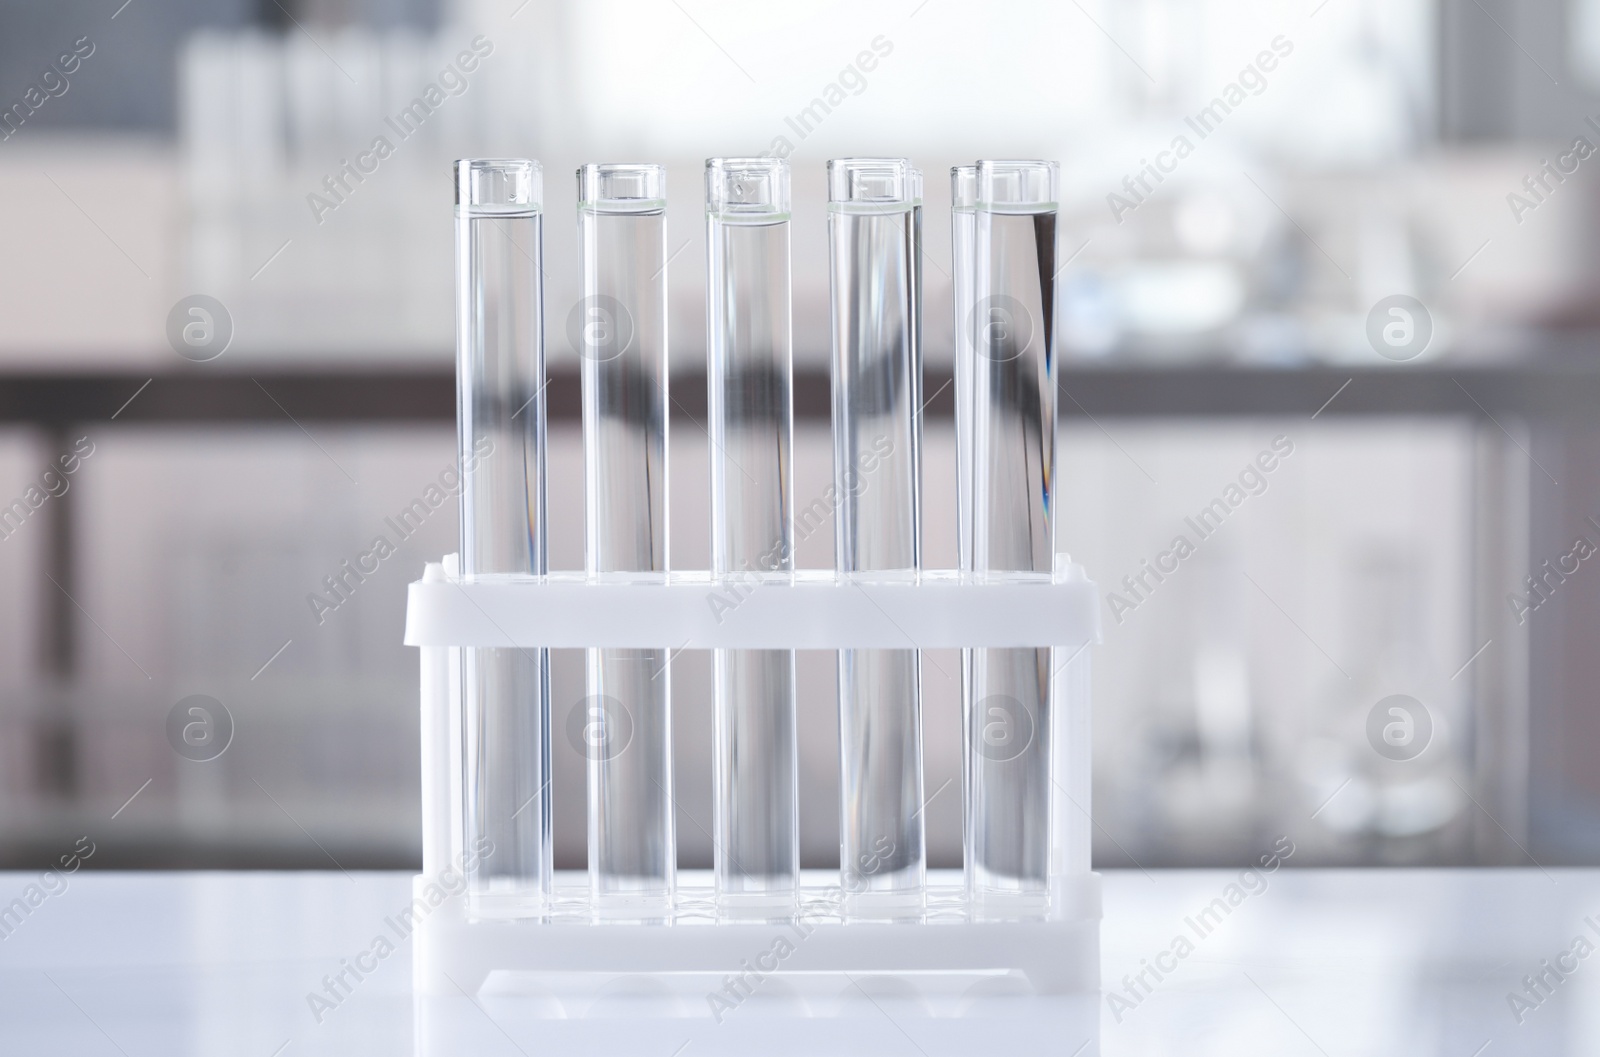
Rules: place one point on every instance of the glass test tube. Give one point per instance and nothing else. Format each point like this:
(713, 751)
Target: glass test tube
(1008, 718)
(621, 337)
(757, 849)
(501, 417)
(963, 251)
(875, 243)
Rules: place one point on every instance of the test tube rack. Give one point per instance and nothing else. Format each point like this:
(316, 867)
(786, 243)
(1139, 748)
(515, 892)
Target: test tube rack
(569, 954)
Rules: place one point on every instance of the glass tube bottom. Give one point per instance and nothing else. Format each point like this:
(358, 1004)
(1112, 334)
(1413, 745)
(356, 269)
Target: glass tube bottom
(1007, 837)
(882, 864)
(757, 850)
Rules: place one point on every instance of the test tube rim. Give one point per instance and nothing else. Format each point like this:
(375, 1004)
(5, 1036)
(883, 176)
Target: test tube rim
(600, 204)
(743, 213)
(958, 202)
(987, 168)
(464, 167)
(900, 204)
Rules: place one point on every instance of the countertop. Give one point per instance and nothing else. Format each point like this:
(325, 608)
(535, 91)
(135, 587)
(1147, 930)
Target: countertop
(1332, 962)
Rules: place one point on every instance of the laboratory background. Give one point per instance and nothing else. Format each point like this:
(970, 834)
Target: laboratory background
(1355, 235)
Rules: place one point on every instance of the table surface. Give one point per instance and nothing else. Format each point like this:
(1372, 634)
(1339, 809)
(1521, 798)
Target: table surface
(1332, 962)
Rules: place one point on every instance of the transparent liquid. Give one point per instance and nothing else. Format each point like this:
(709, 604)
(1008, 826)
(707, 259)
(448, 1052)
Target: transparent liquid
(1013, 393)
(1008, 738)
(963, 236)
(752, 422)
(877, 402)
(757, 854)
(757, 851)
(1007, 703)
(621, 340)
(882, 862)
(505, 692)
(627, 737)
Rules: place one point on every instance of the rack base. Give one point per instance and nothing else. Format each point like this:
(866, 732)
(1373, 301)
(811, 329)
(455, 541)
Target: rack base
(699, 966)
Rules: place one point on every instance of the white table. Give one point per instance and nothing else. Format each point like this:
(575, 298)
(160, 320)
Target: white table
(1341, 963)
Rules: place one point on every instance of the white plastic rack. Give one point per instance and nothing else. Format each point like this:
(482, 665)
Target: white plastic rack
(566, 951)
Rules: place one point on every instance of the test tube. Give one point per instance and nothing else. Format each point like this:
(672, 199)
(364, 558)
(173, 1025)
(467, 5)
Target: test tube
(756, 859)
(1007, 699)
(501, 424)
(620, 334)
(963, 250)
(875, 246)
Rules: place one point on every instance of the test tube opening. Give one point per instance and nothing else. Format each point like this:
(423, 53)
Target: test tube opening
(499, 186)
(747, 188)
(887, 182)
(964, 187)
(1018, 186)
(622, 188)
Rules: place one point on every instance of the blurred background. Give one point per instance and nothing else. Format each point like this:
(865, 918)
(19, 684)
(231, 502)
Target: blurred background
(1248, 187)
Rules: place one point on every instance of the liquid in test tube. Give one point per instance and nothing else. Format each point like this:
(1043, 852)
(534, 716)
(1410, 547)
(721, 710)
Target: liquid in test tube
(963, 238)
(749, 379)
(875, 245)
(501, 431)
(621, 336)
(1007, 700)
